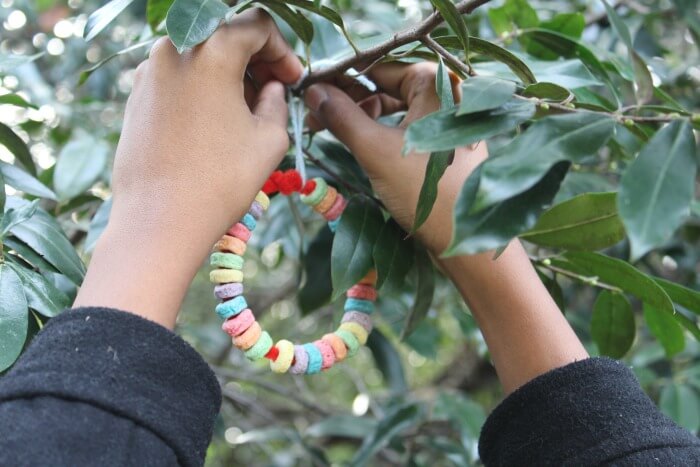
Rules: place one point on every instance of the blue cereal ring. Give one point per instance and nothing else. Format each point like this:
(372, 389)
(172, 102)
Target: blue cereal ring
(333, 225)
(357, 304)
(231, 307)
(315, 359)
(249, 221)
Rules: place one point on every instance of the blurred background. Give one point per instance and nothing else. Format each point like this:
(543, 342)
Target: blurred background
(420, 400)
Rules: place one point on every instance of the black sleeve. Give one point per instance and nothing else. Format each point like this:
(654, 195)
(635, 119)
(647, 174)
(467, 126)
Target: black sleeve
(592, 412)
(106, 387)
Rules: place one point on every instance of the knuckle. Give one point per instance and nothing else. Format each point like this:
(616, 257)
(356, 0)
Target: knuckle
(162, 49)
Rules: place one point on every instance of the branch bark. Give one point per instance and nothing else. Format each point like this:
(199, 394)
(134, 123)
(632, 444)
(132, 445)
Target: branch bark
(411, 34)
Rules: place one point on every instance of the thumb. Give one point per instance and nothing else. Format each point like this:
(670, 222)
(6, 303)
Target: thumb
(369, 141)
(270, 105)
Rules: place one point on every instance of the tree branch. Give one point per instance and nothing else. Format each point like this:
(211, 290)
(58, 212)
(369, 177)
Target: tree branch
(447, 56)
(411, 34)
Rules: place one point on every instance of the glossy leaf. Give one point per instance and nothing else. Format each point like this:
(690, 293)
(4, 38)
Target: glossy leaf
(568, 24)
(191, 22)
(393, 256)
(666, 329)
(16, 216)
(425, 289)
(495, 226)
(301, 26)
(443, 87)
(41, 294)
(547, 91)
(444, 131)
(585, 222)
(658, 186)
(514, 14)
(317, 288)
(16, 100)
(517, 166)
(455, 20)
(394, 422)
(483, 47)
(685, 297)
(569, 74)
(483, 93)
(80, 163)
(644, 89)
(101, 18)
(617, 273)
(612, 324)
(156, 12)
(28, 255)
(388, 362)
(14, 315)
(98, 224)
(43, 234)
(682, 404)
(353, 244)
(22, 181)
(17, 147)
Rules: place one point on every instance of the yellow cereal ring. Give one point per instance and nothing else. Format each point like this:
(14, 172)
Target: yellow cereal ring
(224, 276)
(358, 331)
(284, 358)
(263, 200)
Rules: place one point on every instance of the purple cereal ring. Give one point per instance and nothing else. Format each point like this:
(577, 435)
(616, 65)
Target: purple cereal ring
(230, 290)
(238, 324)
(239, 231)
(301, 361)
(256, 210)
(336, 210)
(363, 319)
(326, 353)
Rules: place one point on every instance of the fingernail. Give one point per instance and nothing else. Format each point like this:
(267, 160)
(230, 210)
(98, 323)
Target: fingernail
(315, 96)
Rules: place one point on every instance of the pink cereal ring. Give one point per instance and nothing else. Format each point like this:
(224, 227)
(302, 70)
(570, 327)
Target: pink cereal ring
(238, 324)
(336, 210)
(240, 231)
(364, 292)
(326, 353)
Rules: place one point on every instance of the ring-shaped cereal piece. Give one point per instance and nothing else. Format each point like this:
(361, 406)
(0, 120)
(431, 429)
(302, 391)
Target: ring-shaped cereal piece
(315, 197)
(260, 348)
(315, 359)
(224, 276)
(249, 337)
(284, 358)
(358, 331)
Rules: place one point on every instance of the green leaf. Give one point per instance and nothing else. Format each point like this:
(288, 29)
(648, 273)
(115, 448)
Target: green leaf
(520, 164)
(496, 225)
(388, 361)
(443, 87)
(13, 217)
(394, 422)
(494, 51)
(16, 100)
(301, 26)
(41, 294)
(101, 18)
(156, 12)
(658, 186)
(351, 255)
(191, 22)
(28, 255)
(577, 183)
(466, 413)
(85, 74)
(10, 61)
(22, 181)
(14, 316)
(3, 196)
(17, 147)
(617, 273)
(682, 404)
(454, 19)
(547, 91)
(342, 426)
(317, 288)
(514, 14)
(98, 225)
(484, 93)
(569, 74)
(585, 222)
(393, 256)
(425, 290)
(568, 24)
(645, 85)
(685, 297)
(80, 163)
(666, 329)
(45, 236)
(443, 130)
(612, 324)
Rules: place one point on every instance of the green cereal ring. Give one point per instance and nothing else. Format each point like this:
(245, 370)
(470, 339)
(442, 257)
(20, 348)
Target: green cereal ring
(260, 348)
(226, 260)
(350, 340)
(318, 194)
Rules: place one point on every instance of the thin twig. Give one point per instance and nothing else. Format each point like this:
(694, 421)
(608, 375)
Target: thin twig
(411, 34)
(565, 272)
(447, 56)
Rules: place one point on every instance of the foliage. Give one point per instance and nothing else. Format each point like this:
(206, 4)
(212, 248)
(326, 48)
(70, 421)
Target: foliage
(590, 110)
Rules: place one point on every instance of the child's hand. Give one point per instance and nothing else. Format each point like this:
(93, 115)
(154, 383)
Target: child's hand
(198, 143)
(397, 179)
